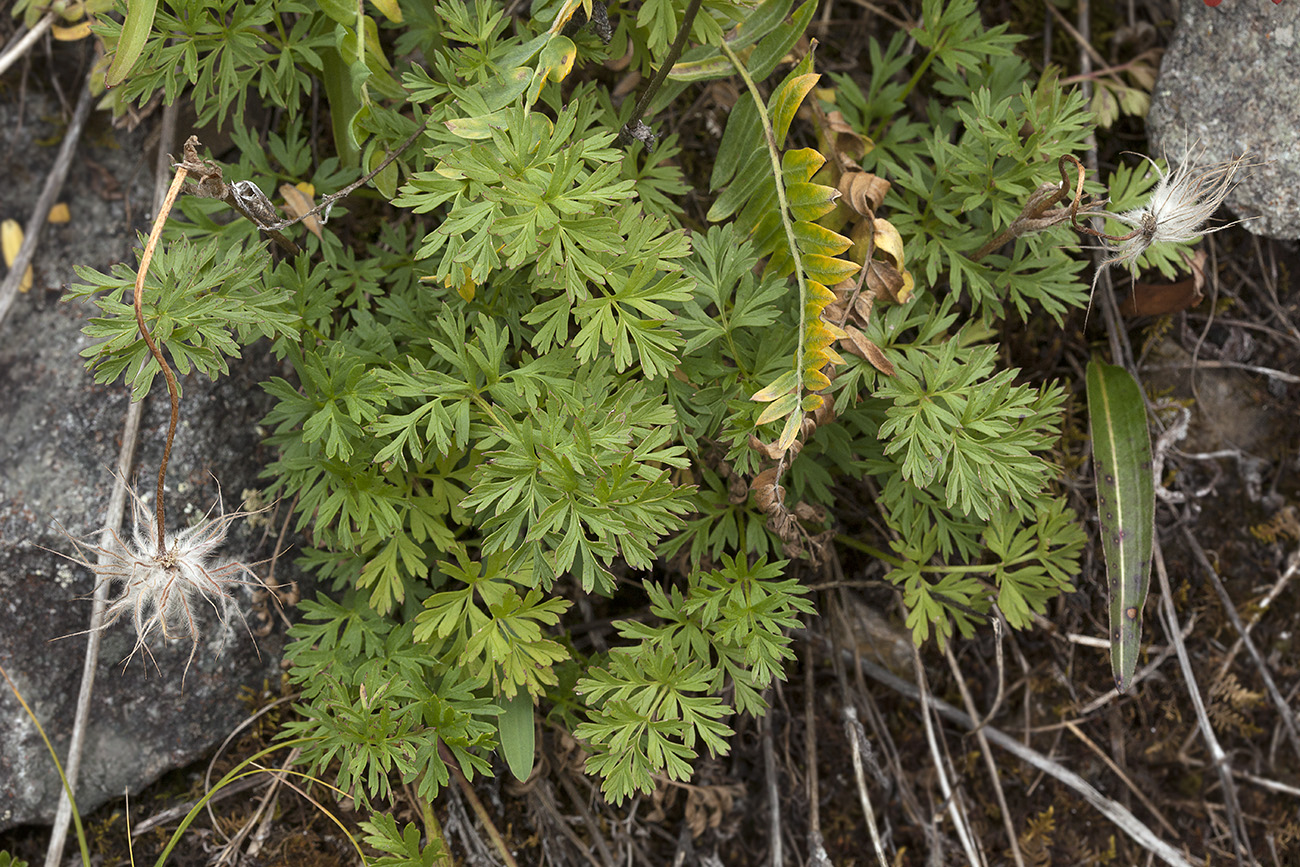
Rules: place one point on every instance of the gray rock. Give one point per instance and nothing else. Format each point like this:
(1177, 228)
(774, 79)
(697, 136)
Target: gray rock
(59, 439)
(1230, 82)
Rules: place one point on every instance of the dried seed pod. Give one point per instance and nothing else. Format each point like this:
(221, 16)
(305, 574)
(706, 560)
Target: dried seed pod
(254, 203)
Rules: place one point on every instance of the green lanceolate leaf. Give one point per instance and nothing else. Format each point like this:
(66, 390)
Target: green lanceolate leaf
(135, 32)
(1121, 448)
(517, 733)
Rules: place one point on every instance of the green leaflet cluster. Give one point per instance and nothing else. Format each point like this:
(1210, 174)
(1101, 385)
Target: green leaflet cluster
(779, 212)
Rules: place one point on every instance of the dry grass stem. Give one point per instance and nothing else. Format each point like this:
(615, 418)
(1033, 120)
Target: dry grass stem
(1283, 708)
(1111, 809)
(1219, 758)
(987, 753)
(955, 812)
(857, 739)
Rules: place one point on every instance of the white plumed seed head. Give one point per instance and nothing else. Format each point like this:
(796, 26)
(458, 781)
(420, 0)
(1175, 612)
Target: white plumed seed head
(1183, 201)
(166, 592)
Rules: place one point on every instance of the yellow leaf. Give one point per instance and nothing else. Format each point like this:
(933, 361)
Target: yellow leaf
(389, 9)
(779, 408)
(59, 214)
(888, 241)
(798, 166)
(814, 380)
(11, 239)
(557, 57)
(908, 283)
(791, 430)
(71, 34)
(784, 384)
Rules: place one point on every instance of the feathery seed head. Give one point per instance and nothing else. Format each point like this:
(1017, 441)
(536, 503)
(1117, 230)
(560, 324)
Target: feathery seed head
(164, 588)
(1184, 199)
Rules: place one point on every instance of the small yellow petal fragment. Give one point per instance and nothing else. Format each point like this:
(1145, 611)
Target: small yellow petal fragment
(11, 239)
(59, 214)
(468, 287)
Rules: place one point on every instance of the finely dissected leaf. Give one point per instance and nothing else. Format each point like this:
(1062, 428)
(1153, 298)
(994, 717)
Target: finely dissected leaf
(1126, 506)
(135, 32)
(517, 733)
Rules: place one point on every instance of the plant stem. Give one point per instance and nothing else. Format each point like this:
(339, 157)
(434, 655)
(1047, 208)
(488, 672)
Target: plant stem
(774, 154)
(172, 389)
(859, 545)
(674, 52)
(327, 202)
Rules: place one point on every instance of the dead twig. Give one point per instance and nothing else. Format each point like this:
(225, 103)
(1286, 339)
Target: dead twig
(987, 752)
(960, 826)
(477, 806)
(858, 741)
(1293, 567)
(593, 827)
(1119, 772)
(1112, 810)
(1219, 759)
(817, 855)
(112, 519)
(24, 42)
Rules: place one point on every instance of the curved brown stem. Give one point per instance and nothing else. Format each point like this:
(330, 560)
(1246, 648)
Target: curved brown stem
(1037, 215)
(172, 389)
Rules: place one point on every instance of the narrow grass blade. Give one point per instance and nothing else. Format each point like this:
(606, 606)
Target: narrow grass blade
(1126, 505)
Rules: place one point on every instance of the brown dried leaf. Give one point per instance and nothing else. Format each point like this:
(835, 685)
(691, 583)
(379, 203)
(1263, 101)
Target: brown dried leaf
(862, 307)
(863, 347)
(297, 202)
(706, 806)
(884, 279)
(785, 527)
(845, 139)
(825, 413)
(771, 451)
(1151, 299)
(863, 192)
(767, 493)
(810, 512)
(737, 491)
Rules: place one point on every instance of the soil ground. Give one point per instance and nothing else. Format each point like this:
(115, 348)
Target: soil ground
(802, 771)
